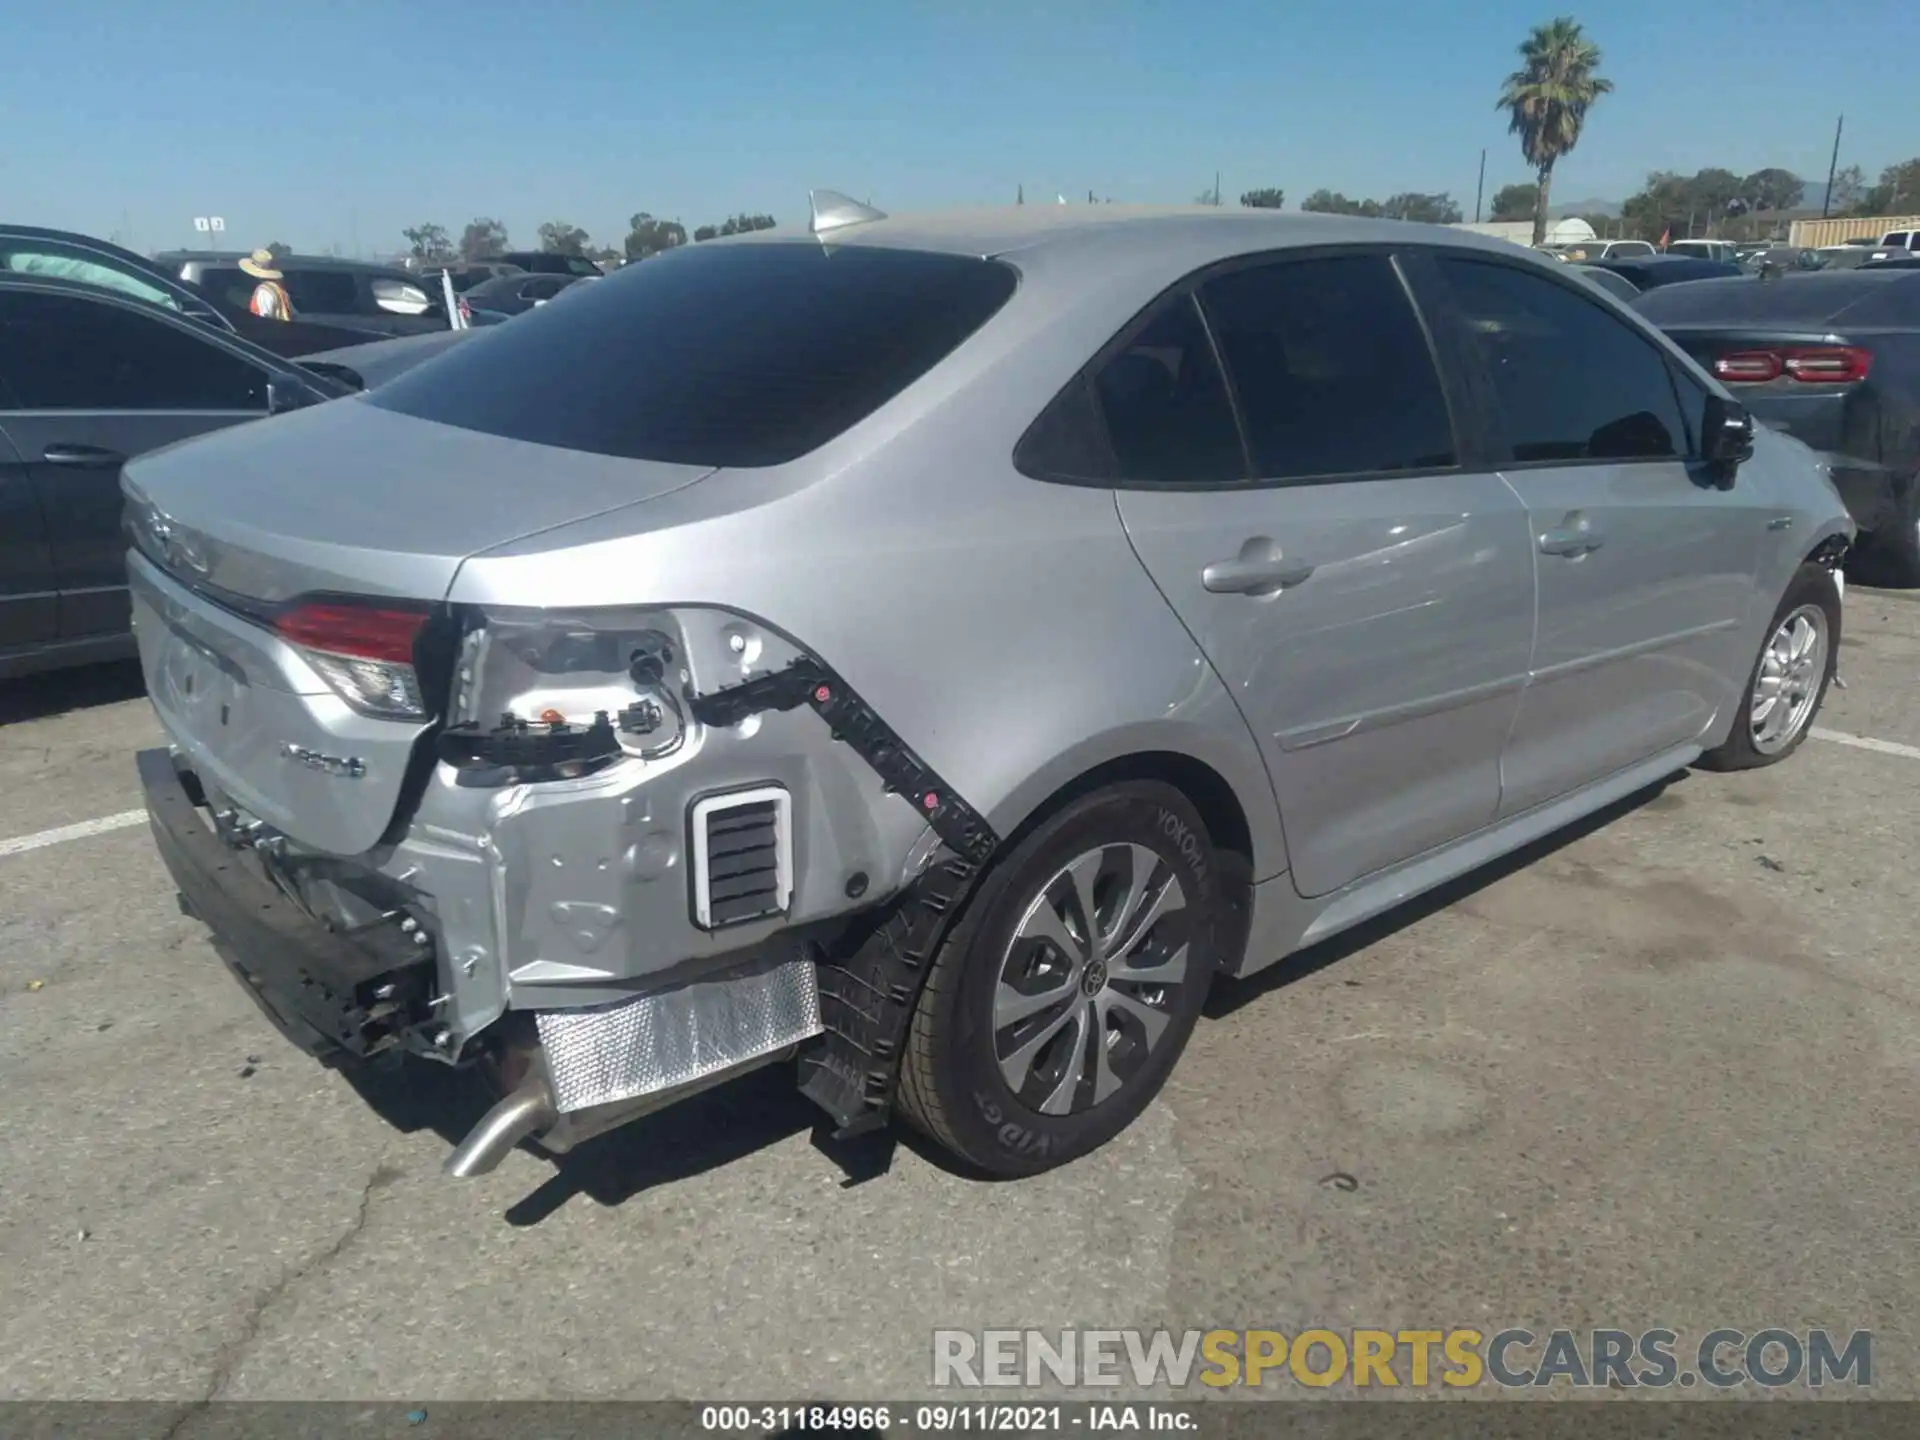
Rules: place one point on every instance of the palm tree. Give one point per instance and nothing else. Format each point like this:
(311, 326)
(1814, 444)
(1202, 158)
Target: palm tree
(1547, 99)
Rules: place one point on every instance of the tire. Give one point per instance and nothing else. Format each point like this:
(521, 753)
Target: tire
(1811, 596)
(1890, 554)
(1140, 841)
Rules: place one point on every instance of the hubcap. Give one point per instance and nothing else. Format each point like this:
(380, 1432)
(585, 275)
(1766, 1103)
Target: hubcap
(1090, 979)
(1787, 688)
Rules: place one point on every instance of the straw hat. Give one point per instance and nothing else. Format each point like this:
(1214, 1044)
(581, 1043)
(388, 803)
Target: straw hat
(260, 266)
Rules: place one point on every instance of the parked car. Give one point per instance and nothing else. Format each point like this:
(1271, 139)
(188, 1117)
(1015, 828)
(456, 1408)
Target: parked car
(1594, 250)
(1848, 257)
(1785, 259)
(541, 262)
(1724, 250)
(1614, 283)
(1895, 261)
(324, 289)
(35, 250)
(1649, 272)
(940, 650)
(516, 294)
(466, 276)
(1907, 240)
(361, 367)
(1834, 360)
(90, 377)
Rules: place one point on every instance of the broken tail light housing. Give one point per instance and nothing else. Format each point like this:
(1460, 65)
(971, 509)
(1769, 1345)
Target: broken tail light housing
(1810, 364)
(364, 650)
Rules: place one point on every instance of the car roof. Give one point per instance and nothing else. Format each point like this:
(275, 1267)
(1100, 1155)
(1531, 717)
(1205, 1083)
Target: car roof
(1078, 248)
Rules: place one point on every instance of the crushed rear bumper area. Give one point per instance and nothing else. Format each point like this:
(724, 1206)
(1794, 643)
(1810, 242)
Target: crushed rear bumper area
(338, 1000)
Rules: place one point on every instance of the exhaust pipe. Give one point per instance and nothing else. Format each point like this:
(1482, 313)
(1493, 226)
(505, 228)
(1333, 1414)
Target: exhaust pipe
(527, 1111)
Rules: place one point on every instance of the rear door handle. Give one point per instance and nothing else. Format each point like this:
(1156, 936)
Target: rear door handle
(86, 457)
(1574, 537)
(1258, 575)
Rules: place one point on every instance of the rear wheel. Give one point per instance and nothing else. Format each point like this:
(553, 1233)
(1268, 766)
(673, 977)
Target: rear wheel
(1061, 1000)
(1789, 679)
(1891, 552)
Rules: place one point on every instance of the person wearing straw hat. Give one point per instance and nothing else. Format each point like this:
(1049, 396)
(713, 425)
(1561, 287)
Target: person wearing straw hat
(269, 296)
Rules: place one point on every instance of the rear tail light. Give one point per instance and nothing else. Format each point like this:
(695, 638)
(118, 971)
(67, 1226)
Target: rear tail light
(1813, 365)
(466, 310)
(364, 651)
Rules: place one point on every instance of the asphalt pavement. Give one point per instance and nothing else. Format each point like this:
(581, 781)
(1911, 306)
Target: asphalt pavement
(1660, 1072)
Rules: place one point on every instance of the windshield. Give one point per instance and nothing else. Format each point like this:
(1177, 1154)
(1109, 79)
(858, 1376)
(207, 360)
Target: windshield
(730, 355)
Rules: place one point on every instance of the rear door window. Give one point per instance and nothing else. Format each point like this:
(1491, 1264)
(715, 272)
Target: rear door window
(1332, 370)
(1573, 380)
(324, 292)
(64, 352)
(714, 355)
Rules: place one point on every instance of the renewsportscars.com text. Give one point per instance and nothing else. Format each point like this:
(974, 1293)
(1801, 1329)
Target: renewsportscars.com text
(1772, 1358)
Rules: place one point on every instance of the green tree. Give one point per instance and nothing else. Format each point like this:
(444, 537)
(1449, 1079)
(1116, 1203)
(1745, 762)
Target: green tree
(1425, 209)
(482, 239)
(648, 236)
(1898, 192)
(1547, 100)
(279, 249)
(428, 242)
(1332, 202)
(1772, 189)
(557, 237)
(1848, 189)
(1515, 202)
(743, 224)
(705, 232)
(1267, 198)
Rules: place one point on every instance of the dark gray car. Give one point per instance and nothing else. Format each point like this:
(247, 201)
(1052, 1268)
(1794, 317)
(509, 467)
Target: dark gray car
(89, 379)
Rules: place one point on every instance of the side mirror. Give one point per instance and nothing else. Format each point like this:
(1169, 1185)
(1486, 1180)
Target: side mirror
(285, 393)
(1726, 441)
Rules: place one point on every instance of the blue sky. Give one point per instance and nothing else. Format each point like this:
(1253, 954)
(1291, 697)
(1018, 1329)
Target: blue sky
(341, 121)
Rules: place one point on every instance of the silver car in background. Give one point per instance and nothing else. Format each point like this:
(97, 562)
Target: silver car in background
(933, 648)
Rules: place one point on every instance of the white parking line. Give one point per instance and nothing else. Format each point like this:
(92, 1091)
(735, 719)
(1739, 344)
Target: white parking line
(80, 831)
(1866, 742)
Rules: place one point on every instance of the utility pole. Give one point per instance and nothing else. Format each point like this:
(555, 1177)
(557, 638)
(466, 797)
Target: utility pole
(1480, 189)
(1833, 167)
(1216, 189)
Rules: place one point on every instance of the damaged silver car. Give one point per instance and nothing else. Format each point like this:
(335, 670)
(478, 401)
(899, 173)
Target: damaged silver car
(930, 650)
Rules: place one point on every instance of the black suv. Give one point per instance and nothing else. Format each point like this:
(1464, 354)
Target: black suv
(324, 289)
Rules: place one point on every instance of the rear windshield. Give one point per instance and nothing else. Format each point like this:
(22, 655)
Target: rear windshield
(1864, 298)
(727, 355)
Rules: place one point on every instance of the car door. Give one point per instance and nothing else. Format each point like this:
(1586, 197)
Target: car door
(1645, 564)
(1361, 586)
(29, 603)
(95, 381)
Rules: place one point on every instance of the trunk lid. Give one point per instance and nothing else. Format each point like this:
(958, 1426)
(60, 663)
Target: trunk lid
(340, 499)
(345, 497)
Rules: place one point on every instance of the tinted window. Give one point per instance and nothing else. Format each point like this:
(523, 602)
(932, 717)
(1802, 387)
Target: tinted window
(1572, 381)
(545, 288)
(1166, 407)
(1331, 368)
(714, 355)
(60, 352)
(313, 292)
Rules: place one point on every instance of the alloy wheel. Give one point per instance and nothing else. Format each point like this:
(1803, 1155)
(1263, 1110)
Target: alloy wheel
(1088, 982)
(1792, 668)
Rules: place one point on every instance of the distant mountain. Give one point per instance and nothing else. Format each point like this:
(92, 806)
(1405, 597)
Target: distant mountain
(1609, 208)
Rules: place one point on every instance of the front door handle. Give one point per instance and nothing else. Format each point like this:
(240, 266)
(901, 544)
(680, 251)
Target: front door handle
(1259, 569)
(1574, 537)
(85, 457)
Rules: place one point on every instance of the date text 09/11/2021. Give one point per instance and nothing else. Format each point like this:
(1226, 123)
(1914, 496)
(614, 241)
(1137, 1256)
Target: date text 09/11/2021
(944, 1419)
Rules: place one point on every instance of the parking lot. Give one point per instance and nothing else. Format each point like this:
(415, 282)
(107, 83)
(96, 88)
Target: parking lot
(1662, 1072)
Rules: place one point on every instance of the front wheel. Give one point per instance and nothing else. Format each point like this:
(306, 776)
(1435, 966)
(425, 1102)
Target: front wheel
(1790, 677)
(1062, 998)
